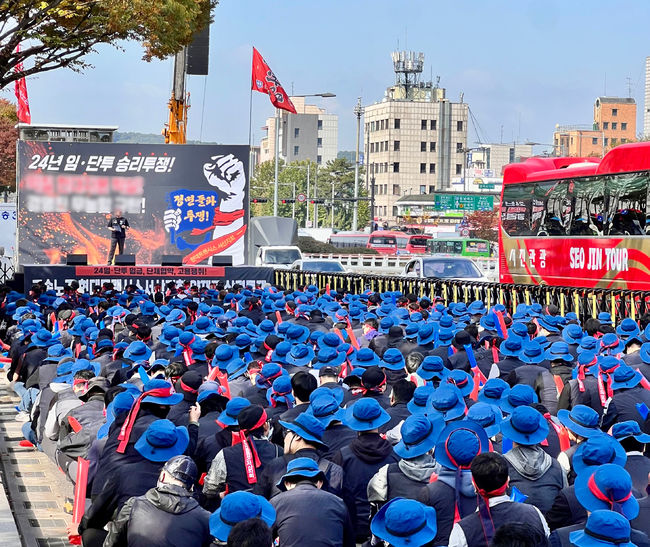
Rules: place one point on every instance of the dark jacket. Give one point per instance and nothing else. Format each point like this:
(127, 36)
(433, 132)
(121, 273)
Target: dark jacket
(638, 466)
(336, 436)
(540, 379)
(306, 515)
(398, 413)
(622, 407)
(566, 510)
(572, 396)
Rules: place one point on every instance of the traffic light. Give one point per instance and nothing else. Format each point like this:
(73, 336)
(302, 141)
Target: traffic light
(317, 201)
(288, 201)
(259, 200)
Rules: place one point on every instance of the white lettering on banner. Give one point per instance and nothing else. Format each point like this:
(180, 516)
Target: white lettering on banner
(614, 259)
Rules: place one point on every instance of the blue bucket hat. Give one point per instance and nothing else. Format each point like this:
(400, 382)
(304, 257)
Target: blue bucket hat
(461, 380)
(307, 427)
(459, 443)
(644, 353)
(393, 359)
(625, 377)
(405, 523)
(365, 358)
(588, 343)
(445, 336)
(447, 401)
(627, 429)
(477, 307)
(611, 344)
(559, 351)
(487, 322)
(605, 318)
(432, 367)
(581, 420)
(572, 334)
(237, 507)
(224, 355)
(329, 340)
(233, 407)
(488, 416)
(426, 334)
(596, 451)
(297, 334)
(43, 338)
(176, 317)
(612, 482)
(328, 357)
(519, 329)
(531, 352)
(525, 426)
(365, 414)
(203, 325)
(280, 391)
(268, 373)
(548, 322)
(137, 351)
(325, 407)
(300, 355)
(300, 468)
(168, 400)
(121, 403)
(419, 436)
(419, 403)
(281, 352)
(493, 391)
(519, 395)
(162, 440)
(511, 347)
(628, 329)
(603, 529)
(56, 352)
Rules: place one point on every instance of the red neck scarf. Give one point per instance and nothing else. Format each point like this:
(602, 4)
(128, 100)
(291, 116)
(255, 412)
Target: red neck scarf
(251, 458)
(484, 510)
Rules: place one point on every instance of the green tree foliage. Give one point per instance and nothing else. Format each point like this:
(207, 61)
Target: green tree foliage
(8, 138)
(60, 33)
(337, 175)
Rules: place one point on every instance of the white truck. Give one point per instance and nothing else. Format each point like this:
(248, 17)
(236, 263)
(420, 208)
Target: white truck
(273, 242)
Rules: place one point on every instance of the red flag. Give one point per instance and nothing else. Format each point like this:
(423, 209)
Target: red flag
(22, 111)
(265, 81)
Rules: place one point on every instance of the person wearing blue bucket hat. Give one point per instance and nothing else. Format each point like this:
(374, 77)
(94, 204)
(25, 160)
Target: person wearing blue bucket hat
(393, 360)
(608, 486)
(365, 358)
(137, 352)
(238, 507)
(325, 408)
(518, 395)
(634, 442)
(534, 372)
(603, 529)
(419, 403)
(447, 401)
(463, 382)
(629, 394)
(426, 336)
(405, 522)
(510, 350)
(532, 471)
(489, 417)
(492, 391)
(300, 355)
(432, 370)
(573, 334)
(328, 357)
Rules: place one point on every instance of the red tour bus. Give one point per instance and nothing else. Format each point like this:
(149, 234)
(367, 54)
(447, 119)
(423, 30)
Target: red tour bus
(578, 222)
(395, 243)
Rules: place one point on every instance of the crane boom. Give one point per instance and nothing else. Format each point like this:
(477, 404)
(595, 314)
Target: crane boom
(175, 130)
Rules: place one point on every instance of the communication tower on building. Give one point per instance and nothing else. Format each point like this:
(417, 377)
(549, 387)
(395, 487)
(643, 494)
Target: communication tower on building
(408, 67)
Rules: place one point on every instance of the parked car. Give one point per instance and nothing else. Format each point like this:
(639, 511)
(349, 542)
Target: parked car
(443, 268)
(318, 265)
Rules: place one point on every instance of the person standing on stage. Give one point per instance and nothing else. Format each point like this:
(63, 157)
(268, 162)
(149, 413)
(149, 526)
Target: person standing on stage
(118, 225)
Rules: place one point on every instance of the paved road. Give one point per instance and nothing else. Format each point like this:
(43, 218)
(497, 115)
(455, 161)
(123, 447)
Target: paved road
(36, 489)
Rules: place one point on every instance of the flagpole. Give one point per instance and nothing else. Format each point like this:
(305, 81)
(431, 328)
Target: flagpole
(250, 135)
(277, 161)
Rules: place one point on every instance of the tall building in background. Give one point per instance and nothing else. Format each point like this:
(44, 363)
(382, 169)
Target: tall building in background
(646, 101)
(311, 134)
(415, 138)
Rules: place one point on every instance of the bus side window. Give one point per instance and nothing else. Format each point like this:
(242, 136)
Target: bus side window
(458, 247)
(588, 199)
(628, 204)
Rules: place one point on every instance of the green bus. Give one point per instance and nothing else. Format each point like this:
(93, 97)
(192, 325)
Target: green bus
(461, 247)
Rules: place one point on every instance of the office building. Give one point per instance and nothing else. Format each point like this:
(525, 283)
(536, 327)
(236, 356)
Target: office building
(415, 138)
(66, 132)
(311, 134)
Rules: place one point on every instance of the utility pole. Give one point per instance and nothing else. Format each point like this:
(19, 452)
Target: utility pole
(277, 162)
(293, 204)
(332, 204)
(358, 111)
(307, 200)
(372, 204)
(315, 198)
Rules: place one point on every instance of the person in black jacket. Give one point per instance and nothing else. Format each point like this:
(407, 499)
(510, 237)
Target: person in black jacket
(634, 442)
(307, 515)
(166, 515)
(627, 394)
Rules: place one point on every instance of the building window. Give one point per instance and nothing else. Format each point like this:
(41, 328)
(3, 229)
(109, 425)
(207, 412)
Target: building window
(385, 167)
(423, 168)
(396, 146)
(594, 140)
(432, 168)
(459, 125)
(433, 124)
(623, 141)
(432, 147)
(614, 111)
(423, 125)
(423, 189)
(319, 159)
(383, 126)
(372, 147)
(614, 125)
(623, 126)
(394, 210)
(459, 147)
(395, 167)
(396, 189)
(423, 146)
(296, 150)
(296, 132)
(372, 126)
(397, 123)
(320, 124)
(386, 146)
(606, 139)
(385, 189)
(319, 142)
(459, 168)
(432, 189)
(613, 142)
(605, 125)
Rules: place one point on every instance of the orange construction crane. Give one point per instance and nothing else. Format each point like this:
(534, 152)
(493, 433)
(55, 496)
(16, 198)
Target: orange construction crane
(175, 130)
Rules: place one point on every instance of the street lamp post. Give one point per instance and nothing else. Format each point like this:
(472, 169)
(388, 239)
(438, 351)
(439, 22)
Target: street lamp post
(358, 111)
(277, 145)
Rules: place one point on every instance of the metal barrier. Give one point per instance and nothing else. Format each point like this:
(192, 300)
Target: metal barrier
(584, 302)
(7, 269)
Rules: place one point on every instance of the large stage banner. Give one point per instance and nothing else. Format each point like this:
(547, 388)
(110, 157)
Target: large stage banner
(179, 199)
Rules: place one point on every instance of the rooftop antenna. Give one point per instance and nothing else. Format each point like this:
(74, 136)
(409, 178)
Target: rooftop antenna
(408, 67)
(605, 90)
(629, 86)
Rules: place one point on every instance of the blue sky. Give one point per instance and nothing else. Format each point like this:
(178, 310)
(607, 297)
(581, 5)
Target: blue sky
(522, 65)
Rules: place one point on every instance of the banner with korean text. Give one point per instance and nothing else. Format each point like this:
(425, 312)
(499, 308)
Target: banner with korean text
(190, 200)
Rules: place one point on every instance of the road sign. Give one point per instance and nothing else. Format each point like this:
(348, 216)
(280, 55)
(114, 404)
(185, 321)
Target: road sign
(464, 232)
(301, 198)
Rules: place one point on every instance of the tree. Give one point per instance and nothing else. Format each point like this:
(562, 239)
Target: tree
(8, 138)
(484, 224)
(60, 33)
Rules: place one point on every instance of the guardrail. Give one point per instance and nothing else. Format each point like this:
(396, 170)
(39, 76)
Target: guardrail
(584, 302)
(7, 269)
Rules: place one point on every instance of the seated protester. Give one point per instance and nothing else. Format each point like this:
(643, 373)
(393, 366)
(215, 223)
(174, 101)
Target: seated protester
(459, 359)
(392, 364)
(401, 394)
(256, 394)
(325, 407)
(495, 508)
(404, 523)
(532, 471)
(634, 443)
(362, 458)
(252, 532)
(74, 442)
(373, 386)
(594, 452)
(161, 441)
(328, 377)
(166, 515)
(627, 394)
(369, 332)
(303, 385)
(452, 493)
(510, 350)
(188, 385)
(581, 423)
(209, 446)
(407, 477)
(238, 508)
(431, 371)
(213, 401)
(606, 487)
(489, 417)
(237, 467)
(307, 515)
(303, 438)
(582, 390)
(279, 399)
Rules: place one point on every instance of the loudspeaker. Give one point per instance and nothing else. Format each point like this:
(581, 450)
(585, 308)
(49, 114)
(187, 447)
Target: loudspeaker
(198, 53)
(76, 260)
(221, 260)
(125, 260)
(172, 260)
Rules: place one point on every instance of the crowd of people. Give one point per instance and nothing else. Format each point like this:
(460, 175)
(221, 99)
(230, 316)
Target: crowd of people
(259, 416)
